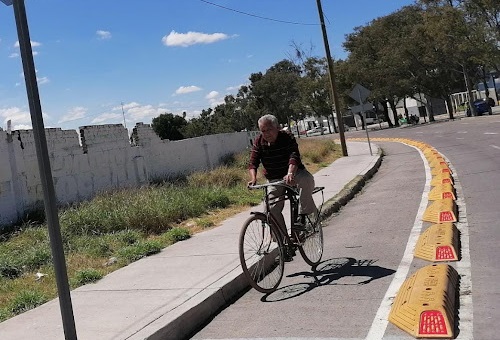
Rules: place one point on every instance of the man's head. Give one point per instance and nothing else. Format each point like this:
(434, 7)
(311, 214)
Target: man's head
(269, 127)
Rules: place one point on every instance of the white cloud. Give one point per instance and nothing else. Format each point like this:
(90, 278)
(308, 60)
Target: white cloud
(18, 117)
(127, 106)
(42, 80)
(234, 88)
(144, 111)
(75, 113)
(187, 89)
(192, 38)
(212, 95)
(105, 117)
(33, 44)
(103, 35)
(14, 55)
(214, 98)
(21, 127)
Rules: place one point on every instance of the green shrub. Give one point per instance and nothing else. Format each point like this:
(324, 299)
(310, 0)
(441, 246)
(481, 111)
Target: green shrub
(139, 250)
(26, 300)
(85, 276)
(178, 234)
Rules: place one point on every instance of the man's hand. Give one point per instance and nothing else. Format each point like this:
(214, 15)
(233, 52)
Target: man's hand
(289, 178)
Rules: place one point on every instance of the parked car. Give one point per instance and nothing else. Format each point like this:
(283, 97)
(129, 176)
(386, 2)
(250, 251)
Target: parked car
(481, 106)
(317, 130)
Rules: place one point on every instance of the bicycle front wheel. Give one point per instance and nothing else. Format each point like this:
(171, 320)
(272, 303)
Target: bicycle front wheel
(261, 254)
(312, 247)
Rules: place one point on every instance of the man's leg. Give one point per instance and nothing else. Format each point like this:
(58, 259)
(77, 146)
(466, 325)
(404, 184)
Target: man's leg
(276, 209)
(305, 181)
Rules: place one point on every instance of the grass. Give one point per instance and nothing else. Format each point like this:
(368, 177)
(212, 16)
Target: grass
(119, 227)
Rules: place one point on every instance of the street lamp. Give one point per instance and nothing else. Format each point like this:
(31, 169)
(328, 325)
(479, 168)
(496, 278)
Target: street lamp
(49, 196)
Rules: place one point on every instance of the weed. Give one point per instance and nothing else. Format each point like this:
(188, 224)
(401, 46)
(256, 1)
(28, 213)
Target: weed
(26, 300)
(85, 276)
(139, 250)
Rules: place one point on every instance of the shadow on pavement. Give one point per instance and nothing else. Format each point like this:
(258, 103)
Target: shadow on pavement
(337, 271)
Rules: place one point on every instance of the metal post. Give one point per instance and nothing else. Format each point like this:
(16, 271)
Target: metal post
(472, 108)
(49, 197)
(366, 125)
(494, 87)
(332, 81)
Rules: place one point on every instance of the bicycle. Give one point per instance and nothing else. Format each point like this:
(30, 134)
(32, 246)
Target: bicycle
(264, 246)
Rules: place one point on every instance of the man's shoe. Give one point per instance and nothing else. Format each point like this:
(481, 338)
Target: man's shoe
(289, 254)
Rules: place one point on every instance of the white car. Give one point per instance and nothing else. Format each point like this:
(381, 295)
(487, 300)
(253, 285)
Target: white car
(317, 131)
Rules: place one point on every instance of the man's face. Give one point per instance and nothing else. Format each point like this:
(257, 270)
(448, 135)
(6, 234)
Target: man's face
(269, 132)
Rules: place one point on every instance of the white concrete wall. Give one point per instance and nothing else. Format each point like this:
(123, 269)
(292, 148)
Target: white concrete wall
(100, 158)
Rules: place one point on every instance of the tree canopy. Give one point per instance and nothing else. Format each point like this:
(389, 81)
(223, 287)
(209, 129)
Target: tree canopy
(429, 47)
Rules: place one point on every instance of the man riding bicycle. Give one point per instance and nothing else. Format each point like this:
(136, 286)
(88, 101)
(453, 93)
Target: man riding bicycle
(279, 154)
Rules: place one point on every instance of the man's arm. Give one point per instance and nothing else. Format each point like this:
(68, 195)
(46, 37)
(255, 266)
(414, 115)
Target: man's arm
(253, 176)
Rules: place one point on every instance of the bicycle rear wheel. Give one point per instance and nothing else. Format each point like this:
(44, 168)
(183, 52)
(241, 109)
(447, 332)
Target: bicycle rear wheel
(312, 247)
(261, 254)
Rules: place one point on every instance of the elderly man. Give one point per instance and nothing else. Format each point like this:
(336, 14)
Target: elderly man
(279, 154)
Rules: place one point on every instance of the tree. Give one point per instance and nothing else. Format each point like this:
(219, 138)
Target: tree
(169, 126)
(276, 91)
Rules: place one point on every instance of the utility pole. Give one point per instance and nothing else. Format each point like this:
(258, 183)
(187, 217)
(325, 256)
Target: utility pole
(123, 113)
(49, 195)
(333, 89)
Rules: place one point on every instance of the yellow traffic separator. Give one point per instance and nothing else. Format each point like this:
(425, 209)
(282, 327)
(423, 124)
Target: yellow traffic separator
(442, 191)
(438, 161)
(441, 170)
(441, 211)
(442, 179)
(439, 242)
(425, 304)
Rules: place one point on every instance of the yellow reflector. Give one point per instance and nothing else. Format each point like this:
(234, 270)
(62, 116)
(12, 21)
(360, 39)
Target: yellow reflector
(438, 180)
(425, 305)
(438, 243)
(441, 211)
(441, 170)
(442, 191)
(436, 160)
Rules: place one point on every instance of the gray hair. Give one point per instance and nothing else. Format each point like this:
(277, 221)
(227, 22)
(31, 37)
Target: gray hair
(269, 118)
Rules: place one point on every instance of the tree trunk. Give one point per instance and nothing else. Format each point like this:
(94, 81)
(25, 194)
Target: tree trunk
(450, 107)
(386, 113)
(394, 113)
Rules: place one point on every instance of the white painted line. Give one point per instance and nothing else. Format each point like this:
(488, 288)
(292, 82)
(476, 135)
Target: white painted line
(496, 147)
(379, 324)
(460, 138)
(491, 133)
(461, 131)
(464, 265)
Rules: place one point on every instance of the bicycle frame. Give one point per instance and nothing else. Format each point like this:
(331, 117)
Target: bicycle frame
(292, 194)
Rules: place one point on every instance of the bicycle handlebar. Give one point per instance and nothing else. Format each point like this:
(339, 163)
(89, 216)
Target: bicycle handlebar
(280, 183)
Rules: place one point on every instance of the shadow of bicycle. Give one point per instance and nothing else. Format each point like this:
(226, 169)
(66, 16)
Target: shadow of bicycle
(331, 272)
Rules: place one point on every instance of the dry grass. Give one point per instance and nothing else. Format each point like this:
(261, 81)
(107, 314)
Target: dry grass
(129, 224)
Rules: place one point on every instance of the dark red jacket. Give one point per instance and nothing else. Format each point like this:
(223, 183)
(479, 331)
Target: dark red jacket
(275, 157)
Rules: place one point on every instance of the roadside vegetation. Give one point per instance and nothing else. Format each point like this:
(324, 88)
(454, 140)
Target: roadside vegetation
(119, 227)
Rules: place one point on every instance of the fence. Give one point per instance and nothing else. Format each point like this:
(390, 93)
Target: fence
(99, 158)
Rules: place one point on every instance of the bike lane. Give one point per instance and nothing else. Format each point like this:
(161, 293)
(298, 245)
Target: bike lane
(365, 260)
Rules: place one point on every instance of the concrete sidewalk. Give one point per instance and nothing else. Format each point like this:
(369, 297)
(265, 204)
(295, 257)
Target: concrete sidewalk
(171, 294)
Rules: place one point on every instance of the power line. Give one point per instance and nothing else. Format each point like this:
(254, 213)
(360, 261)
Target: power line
(260, 17)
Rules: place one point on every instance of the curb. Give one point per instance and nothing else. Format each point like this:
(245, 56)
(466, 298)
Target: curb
(190, 319)
(334, 204)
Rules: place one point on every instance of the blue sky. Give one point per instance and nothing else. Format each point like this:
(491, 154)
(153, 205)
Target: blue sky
(98, 59)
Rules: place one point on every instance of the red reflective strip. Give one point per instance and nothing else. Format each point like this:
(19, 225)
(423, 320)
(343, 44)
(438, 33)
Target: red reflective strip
(444, 253)
(432, 322)
(446, 216)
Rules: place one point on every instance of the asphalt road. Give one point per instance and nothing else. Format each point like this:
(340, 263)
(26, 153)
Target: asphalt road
(366, 253)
